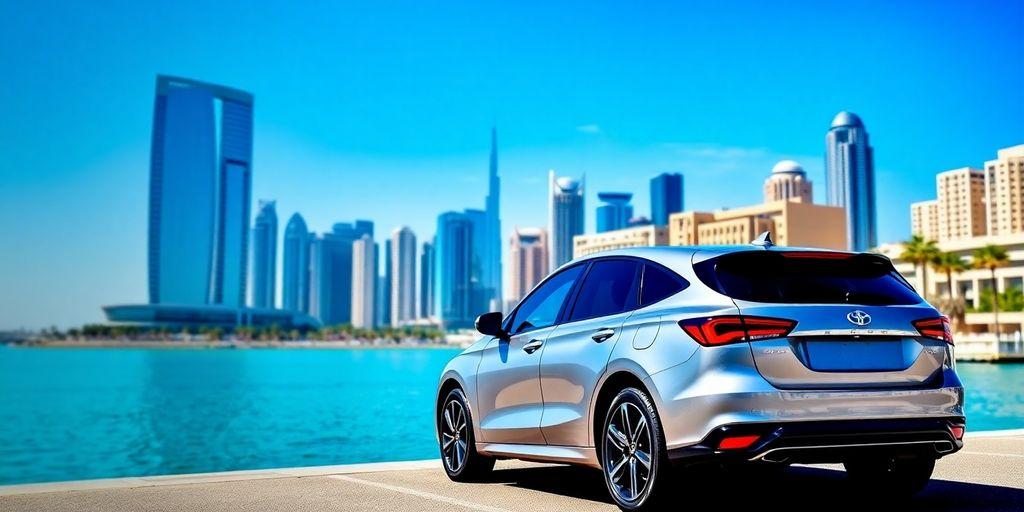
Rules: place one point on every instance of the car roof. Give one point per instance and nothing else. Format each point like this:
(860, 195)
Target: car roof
(684, 255)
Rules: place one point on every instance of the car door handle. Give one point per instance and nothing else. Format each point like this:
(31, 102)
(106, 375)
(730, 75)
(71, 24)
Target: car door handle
(532, 346)
(603, 334)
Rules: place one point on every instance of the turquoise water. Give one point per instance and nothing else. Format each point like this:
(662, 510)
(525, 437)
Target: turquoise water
(69, 414)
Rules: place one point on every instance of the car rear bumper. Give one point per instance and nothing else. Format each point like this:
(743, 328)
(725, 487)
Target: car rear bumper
(724, 388)
(826, 441)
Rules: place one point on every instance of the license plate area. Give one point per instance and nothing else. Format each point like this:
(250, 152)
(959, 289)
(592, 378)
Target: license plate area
(859, 355)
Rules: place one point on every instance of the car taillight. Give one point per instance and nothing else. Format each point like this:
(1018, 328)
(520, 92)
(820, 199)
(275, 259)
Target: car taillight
(723, 330)
(937, 328)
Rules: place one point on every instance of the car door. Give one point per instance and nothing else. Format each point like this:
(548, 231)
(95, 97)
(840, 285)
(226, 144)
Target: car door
(508, 378)
(577, 351)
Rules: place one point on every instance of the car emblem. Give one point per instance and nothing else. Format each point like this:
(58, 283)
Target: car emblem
(858, 317)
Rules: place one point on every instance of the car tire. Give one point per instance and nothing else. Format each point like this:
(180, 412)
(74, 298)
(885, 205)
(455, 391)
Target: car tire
(461, 461)
(893, 476)
(632, 445)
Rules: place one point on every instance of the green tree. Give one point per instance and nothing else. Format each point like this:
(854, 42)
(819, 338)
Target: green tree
(920, 252)
(949, 263)
(992, 257)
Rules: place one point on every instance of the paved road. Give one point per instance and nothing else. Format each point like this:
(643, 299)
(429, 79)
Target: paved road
(987, 475)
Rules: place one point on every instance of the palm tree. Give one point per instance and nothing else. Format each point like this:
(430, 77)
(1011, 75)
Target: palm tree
(992, 257)
(920, 252)
(949, 263)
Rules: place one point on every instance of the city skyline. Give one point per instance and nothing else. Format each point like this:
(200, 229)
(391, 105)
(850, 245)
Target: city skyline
(349, 99)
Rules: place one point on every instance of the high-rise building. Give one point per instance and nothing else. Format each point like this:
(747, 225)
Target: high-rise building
(453, 284)
(386, 284)
(264, 256)
(199, 196)
(565, 216)
(331, 281)
(924, 219)
(529, 260)
(788, 182)
(639, 236)
(615, 212)
(364, 282)
(791, 223)
(295, 268)
(960, 204)
(666, 197)
(427, 280)
(403, 274)
(850, 178)
(490, 257)
(1004, 188)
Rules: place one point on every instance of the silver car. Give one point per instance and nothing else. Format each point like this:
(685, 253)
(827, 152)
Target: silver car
(640, 361)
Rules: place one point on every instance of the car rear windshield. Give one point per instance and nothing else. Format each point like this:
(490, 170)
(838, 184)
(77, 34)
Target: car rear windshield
(807, 278)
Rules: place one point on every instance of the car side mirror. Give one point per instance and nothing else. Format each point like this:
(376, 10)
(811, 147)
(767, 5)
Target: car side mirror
(490, 324)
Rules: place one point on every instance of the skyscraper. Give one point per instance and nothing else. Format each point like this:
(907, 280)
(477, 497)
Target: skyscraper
(453, 285)
(565, 216)
(616, 211)
(264, 256)
(385, 285)
(427, 280)
(490, 271)
(850, 178)
(295, 270)
(403, 276)
(199, 196)
(364, 282)
(331, 281)
(666, 197)
(529, 260)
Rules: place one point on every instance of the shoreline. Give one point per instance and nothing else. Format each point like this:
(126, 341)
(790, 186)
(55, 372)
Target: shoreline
(225, 345)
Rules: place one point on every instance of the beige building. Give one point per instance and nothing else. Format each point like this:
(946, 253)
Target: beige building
(975, 202)
(924, 219)
(364, 282)
(788, 182)
(960, 204)
(640, 236)
(1004, 188)
(791, 223)
(529, 260)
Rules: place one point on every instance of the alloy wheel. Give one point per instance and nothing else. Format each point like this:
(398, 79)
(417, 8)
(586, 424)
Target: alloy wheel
(627, 452)
(454, 433)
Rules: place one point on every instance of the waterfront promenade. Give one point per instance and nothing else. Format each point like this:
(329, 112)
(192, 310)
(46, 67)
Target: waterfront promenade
(988, 474)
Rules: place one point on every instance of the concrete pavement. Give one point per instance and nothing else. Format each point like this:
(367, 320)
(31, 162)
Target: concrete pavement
(988, 474)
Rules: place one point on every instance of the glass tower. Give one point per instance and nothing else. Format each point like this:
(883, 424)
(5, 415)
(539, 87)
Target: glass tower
(427, 280)
(666, 197)
(331, 281)
(453, 285)
(295, 270)
(199, 196)
(850, 178)
(490, 271)
(264, 256)
(566, 216)
(615, 212)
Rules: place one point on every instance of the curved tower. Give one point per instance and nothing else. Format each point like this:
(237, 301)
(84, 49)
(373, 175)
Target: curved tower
(850, 178)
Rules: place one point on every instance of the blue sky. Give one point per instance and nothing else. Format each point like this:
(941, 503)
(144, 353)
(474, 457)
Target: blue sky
(382, 110)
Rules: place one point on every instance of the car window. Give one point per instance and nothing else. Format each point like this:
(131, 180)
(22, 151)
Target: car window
(659, 283)
(609, 288)
(541, 308)
(805, 277)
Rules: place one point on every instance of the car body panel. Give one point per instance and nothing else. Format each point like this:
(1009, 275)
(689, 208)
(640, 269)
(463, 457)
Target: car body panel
(510, 403)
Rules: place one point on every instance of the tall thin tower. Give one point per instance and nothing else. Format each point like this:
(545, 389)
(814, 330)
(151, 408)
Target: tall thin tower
(492, 258)
(850, 178)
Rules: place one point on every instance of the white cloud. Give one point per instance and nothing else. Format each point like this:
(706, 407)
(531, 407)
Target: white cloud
(589, 128)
